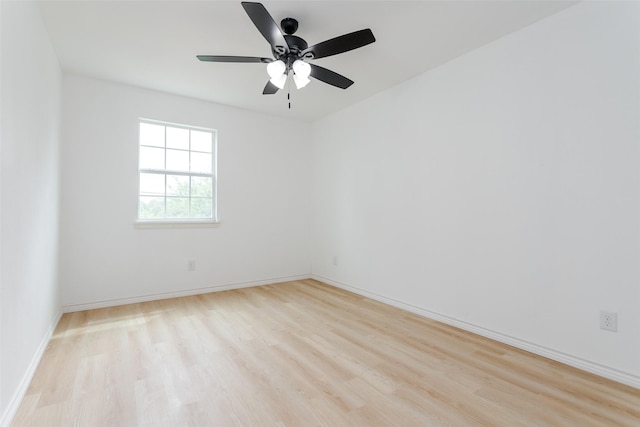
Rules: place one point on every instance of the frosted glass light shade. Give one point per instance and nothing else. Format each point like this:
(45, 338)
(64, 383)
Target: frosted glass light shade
(276, 69)
(279, 81)
(302, 69)
(300, 81)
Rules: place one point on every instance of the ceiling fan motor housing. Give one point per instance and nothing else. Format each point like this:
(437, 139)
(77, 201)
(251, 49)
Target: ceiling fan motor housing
(296, 44)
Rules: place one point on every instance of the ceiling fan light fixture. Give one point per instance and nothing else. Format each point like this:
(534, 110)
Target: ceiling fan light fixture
(302, 69)
(276, 69)
(300, 81)
(279, 81)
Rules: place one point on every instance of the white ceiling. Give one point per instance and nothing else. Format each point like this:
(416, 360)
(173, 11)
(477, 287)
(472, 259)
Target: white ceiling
(153, 44)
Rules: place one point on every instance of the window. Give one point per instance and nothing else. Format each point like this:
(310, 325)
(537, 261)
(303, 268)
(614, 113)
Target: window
(177, 173)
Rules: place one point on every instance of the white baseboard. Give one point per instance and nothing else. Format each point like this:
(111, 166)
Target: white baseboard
(16, 399)
(567, 359)
(166, 295)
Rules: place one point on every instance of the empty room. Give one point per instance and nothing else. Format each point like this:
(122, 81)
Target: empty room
(332, 213)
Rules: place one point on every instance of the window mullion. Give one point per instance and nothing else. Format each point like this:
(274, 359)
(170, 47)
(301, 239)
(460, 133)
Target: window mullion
(190, 212)
(180, 173)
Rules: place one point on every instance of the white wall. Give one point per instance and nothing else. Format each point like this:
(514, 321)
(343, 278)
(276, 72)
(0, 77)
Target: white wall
(500, 192)
(263, 195)
(30, 98)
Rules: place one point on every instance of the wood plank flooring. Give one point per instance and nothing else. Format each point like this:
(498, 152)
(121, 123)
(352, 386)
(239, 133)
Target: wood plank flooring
(301, 354)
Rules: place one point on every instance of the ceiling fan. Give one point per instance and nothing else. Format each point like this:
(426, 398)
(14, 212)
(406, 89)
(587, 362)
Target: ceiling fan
(291, 53)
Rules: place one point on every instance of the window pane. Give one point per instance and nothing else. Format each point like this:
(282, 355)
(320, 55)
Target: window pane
(151, 184)
(151, 134)
(151, 207)
(201, 162)
(151, 158)
(201, 208)
(178, 160)
(178, 207)
(201, 186)
(177, 185)
(178, 138)
(201, 141)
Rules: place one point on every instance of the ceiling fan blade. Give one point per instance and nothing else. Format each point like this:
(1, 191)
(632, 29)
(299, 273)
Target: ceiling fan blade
(266, 25)
(330, 77)
(341, 44)
(222, 58)
(270, 88)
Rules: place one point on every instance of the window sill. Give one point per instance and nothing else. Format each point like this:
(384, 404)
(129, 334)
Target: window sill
(209, 223)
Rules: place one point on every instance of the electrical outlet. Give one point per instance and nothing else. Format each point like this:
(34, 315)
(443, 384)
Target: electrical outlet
(609, 321)
(335, 260)
(191, 265)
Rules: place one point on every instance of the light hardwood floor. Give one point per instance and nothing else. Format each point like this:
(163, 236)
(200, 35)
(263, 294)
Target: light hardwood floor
(301, 354)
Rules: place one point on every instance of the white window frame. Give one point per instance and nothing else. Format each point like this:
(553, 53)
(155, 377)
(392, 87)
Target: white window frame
(168, 222)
